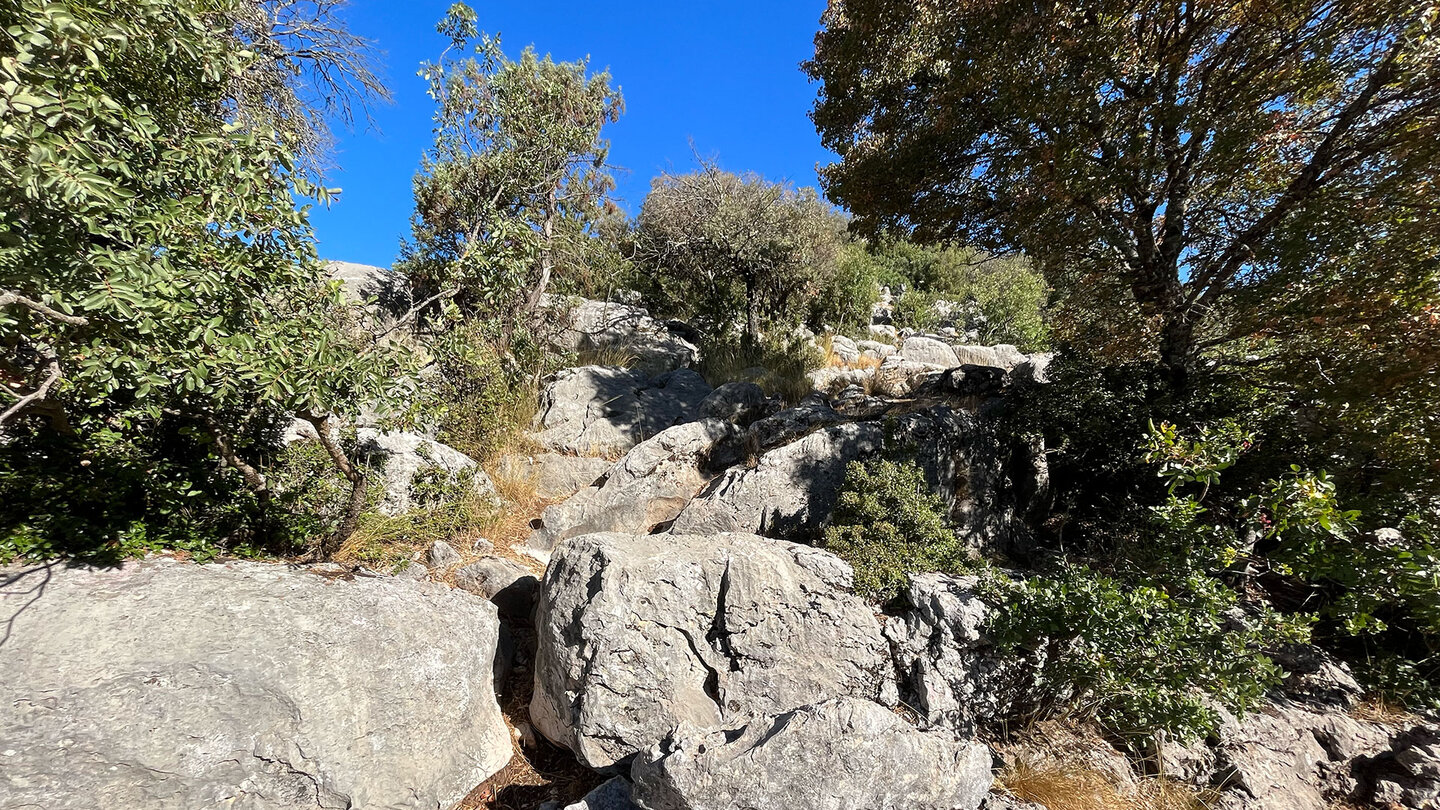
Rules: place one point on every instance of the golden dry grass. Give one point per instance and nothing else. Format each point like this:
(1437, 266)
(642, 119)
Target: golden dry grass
(614, 355)
(1376, 709)
(1062, 785)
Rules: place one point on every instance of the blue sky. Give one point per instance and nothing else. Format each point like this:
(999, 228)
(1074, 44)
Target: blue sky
(725, 74)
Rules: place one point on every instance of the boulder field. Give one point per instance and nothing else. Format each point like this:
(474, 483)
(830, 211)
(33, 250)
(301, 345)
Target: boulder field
(687, 641)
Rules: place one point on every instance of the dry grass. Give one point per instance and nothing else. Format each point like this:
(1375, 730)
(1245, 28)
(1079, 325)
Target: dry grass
(615, 355)
(1060, 785)
(1375, 709)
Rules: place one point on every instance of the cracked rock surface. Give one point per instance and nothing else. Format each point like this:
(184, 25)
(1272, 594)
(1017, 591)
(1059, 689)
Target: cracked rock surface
(242, 685)
(640, 633)
(842, 754)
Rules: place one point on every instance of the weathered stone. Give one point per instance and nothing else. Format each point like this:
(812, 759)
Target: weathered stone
(898, 376)
(163, 684)
(441, 555)
(929, 351)
(598, 410)
(1004, 801)
(1407, 774)
(738, 402)
(874, 349)
(552, 474)
(646, 488)
(1001, 356)
(842, 754)
(791, 490)
(405, 457)
(790, 424)
(511, 586)
(844, 349)
(629, 329)
(613, 795)
(414, 570)
(639, 633)
(830, 379)
(949, 670)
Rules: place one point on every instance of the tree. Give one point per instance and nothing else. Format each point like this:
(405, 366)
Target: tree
(1164, 144)
(518, 158)
(306, 70)
(153, 262)
(738, 248)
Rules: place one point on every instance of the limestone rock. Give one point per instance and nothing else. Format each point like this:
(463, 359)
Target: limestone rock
(646, 488)
(841, 754)
(553, 475)
(930, 351)
(898, 376)
(790, 424)
(415, 469)
(1001, 356)
(655, 347)
(511, 586)
(163, 684)
(639, 633)
(738, 402)
(597, 410)
(949, 669)
(441, 555)
(791, 489)
(613, 795)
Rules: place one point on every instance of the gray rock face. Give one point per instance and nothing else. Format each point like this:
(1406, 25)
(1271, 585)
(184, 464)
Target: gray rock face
(605, 324)
(791, 490)
(163, 684)
(408, 459)
(738, 402)
(637, 634)
(511, 586)
(441, 555)
(947, 666)
(792, 423)
(598, 410)
(930, 351)
(554, 475)
(1001, 356)
(1408, 774)
(898, 376)
(845, 349)
(646, 488)
(842, 754)
(613, 795)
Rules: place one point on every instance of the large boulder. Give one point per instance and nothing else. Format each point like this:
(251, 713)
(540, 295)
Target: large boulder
(790, 424)
(164, 684)
(637, 634)
(899, 376)
(929, 350)
(417, 471)
(1002, 355)
(553, 475)
(646, 488)
(790, 491)
(738, 402)
(948, 668)
(604, 411)
(842, 754)
(653, 345)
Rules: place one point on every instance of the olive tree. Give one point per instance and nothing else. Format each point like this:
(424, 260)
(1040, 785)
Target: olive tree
(737, 247)
(1163, 144)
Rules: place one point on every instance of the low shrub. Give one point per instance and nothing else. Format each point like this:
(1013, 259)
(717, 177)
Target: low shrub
(780, 365)
(888, 526)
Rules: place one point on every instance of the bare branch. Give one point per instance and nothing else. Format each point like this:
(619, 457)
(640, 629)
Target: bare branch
(8, 298)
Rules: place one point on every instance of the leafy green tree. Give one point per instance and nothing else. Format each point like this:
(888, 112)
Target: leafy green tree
(738, 248)
(1167, 145)
(153, 262)
(518, 165)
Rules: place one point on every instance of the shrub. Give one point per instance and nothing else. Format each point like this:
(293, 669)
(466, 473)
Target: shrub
(777, 364)
(888, 526)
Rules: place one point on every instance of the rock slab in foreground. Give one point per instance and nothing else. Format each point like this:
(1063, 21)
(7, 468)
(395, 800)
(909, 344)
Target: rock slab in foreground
(638, 634)
(843, 754)
(164, 684)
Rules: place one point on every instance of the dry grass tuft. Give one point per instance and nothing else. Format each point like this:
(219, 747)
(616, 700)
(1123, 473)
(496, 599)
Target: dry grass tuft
(616, 355)
(1061, 785)
(1376, 709)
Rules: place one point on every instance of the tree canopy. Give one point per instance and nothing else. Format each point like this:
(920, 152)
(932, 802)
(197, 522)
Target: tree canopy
(1188, 150)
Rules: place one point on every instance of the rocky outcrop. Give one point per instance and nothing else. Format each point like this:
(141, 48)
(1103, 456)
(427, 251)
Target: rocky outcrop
(511, 586)
(929, 350)
(553, 475)
(417, 471)
(948, 668)
(163, 684)
(790, 491)
(638, 634)
(842, 754)
(613, 795)
(899, 376)
(645, 489)
(790, 424)
(599, 410)
(738, 402)
(654, 346)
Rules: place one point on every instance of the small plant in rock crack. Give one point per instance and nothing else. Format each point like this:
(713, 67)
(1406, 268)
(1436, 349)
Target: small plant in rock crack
(888, 525)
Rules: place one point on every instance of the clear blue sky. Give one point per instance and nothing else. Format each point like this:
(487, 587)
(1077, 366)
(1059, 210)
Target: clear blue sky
(725, 74)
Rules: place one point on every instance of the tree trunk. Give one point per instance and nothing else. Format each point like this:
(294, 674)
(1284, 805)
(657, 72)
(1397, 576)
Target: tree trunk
(547, 258)
(351, 519)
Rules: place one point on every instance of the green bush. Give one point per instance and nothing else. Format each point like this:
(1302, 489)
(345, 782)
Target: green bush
(777, 364)
(888, 525)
